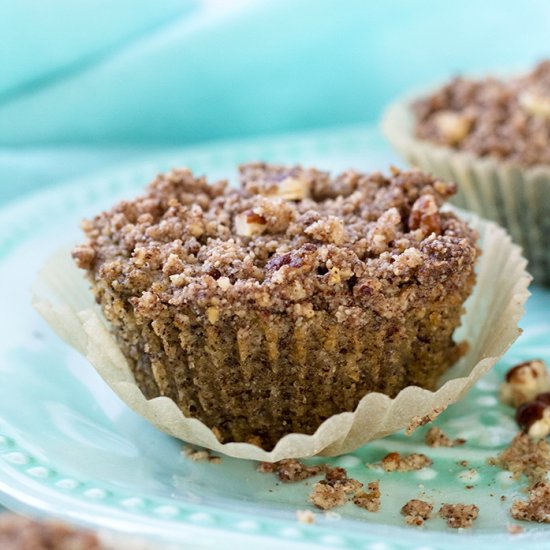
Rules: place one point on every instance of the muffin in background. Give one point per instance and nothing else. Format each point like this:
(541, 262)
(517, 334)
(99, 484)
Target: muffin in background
(492, 137)
(265, 310)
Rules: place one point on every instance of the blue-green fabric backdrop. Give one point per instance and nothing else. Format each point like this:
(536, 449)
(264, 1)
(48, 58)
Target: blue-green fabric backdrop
(88, 83)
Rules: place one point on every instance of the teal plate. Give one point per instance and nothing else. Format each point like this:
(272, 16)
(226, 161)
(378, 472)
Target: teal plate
(70, 448)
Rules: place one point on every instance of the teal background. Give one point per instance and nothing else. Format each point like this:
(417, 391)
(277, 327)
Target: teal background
(90, 83)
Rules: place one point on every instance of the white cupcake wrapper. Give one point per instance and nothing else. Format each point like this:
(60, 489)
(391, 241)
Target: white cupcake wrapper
(516, 198)
(490, 325)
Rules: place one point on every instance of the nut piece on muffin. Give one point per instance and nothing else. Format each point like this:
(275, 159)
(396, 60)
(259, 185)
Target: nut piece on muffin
(506, 119)
(265, 309)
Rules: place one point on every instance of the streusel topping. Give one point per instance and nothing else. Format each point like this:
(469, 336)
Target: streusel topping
(286, 236)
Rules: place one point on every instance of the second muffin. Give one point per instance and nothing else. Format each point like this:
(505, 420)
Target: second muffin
(265, 310)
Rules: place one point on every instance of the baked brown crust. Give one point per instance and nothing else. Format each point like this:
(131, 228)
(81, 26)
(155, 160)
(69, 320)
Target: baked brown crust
(266, 309)
(506, 119)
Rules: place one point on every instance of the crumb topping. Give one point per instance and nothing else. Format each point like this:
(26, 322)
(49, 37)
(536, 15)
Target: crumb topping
(417, 511)
(525, 456)
(326, 496)
(335, 490)
(369, 500)
(459, 515)
(536, 507)
(395, 462)
(290, 470)
(341, 242)
(435, 437)
(419, 421)
(506, 119)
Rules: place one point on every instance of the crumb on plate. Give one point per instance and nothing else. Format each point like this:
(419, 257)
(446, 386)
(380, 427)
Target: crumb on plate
(459, 515)
(417, 511)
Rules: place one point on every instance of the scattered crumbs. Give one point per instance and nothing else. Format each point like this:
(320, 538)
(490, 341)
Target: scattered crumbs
(463, 463)
(502, 498)
(469, 486)
(525, 456)
(339, 476)
(198, 455)
(395, 462)
(417, 511)
(418, 421)
(326, 496)
(435, 437)
(369, 500)
(469, 475)
(514, 529)
(459, 515)
(334, 490)
(536, 507)
(290, 470)
(305, 516)
(267, 467)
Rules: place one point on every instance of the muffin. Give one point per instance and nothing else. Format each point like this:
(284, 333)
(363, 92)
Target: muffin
(266, 309)
(491, 136)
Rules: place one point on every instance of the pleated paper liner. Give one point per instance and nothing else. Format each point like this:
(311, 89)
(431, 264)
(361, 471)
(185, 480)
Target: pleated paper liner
(516, 198)
(490, 325)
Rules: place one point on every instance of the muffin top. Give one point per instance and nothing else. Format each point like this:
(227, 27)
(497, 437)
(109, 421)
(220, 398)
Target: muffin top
(288, 238)
(506, 119)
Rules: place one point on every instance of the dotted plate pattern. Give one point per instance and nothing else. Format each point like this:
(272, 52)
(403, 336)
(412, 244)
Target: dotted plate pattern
(70, 448)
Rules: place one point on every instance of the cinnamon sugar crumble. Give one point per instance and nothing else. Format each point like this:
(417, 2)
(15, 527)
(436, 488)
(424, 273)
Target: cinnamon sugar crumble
(417, 511)
(335, 490)
(395, 462)
(435, 437)
(290, 470)
(369, 500)
(459, 515)
(215, 293)
(525, 456)
(536, 507)
(326, 496)
(507, 119)
(419, 421)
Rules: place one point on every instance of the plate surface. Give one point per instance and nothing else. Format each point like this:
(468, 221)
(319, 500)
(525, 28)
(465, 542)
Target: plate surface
(70, 448)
